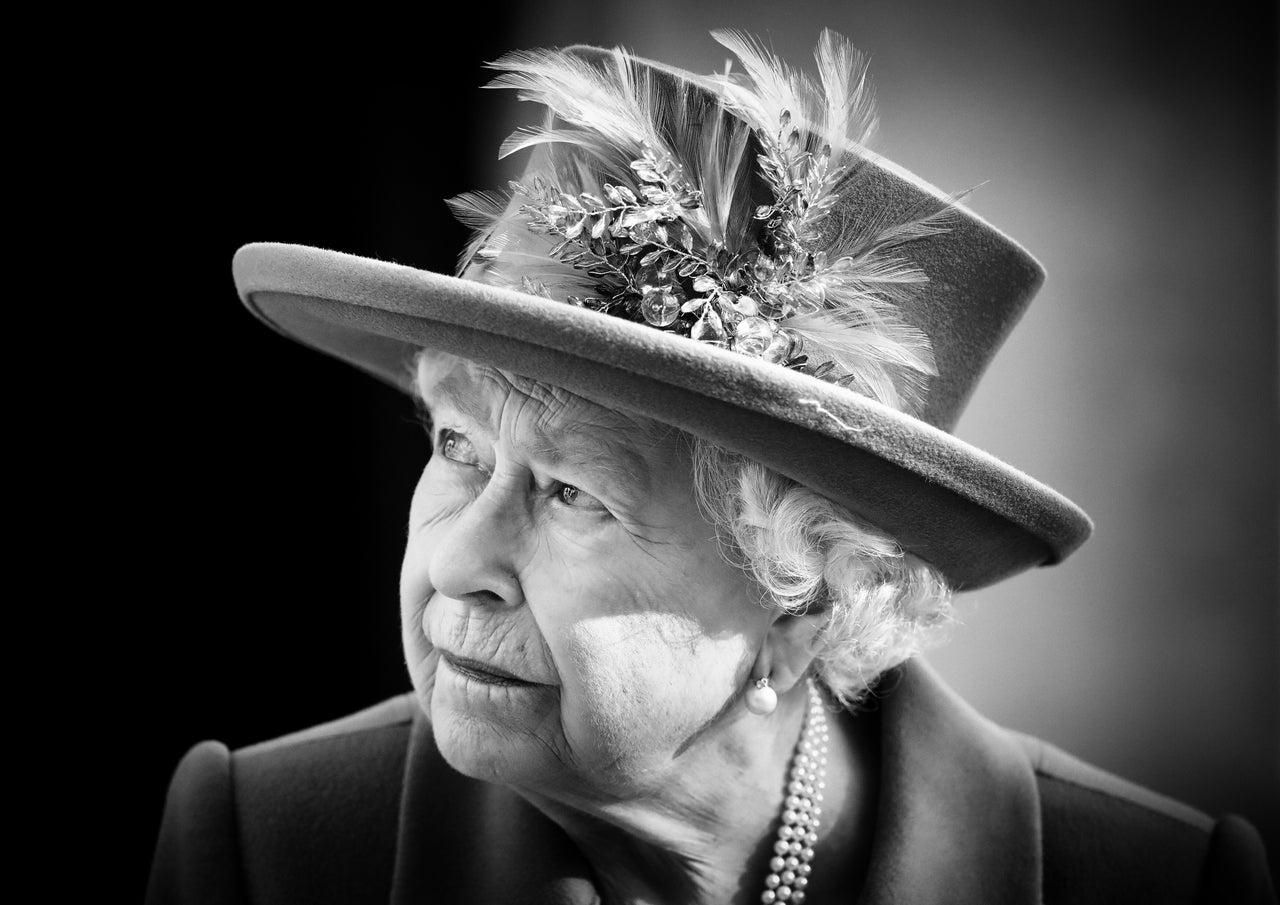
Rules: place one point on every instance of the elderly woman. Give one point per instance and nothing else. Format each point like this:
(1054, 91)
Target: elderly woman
(692, 509)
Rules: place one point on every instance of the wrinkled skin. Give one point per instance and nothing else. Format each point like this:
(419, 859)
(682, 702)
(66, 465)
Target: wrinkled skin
(573, 632)
(610, 597)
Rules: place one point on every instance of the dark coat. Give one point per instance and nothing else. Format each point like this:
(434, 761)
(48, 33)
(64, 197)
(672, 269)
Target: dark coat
(364, 809)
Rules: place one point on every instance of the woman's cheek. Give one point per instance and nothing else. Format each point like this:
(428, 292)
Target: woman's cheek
(634, 685)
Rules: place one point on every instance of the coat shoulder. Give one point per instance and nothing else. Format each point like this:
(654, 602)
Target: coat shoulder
(310, 816)
(1103, 832)
(319, 809)
(393, 715)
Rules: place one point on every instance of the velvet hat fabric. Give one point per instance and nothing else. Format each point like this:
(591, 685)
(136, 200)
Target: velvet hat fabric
(974, 517)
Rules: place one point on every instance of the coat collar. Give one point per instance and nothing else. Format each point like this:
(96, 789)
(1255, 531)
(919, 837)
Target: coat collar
(958, 818)
(959, 814)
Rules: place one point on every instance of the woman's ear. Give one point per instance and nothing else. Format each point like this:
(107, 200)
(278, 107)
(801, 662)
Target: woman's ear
(791, 646)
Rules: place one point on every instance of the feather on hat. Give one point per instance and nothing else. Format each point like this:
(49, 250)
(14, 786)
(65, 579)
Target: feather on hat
(724, 254)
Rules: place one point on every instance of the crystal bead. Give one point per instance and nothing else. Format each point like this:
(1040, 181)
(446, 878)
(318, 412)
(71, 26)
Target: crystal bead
(797, 896)
(768, 897)
(800, 882)
(806, 854)
(780, 348)
(784, 893)
(778, 864)
(650, 277)
(804, 870)
(782, 847)
(787, 876)
(790, 816)
(660, 308)
(772, 881)
(788, 864)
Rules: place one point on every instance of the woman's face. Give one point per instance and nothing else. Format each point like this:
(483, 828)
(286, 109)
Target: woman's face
(568, 621)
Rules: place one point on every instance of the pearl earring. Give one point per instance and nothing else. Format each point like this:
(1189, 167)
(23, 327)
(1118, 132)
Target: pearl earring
(761, 699)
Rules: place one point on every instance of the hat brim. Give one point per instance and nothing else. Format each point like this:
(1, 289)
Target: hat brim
(972, 516)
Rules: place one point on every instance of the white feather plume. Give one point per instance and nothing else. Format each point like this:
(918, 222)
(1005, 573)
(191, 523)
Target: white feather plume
(608, 112)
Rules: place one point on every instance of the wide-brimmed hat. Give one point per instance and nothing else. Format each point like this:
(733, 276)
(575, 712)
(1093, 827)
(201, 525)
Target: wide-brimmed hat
(724, 255)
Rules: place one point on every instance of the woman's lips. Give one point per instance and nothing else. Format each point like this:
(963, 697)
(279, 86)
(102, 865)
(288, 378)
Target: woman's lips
(481, 672)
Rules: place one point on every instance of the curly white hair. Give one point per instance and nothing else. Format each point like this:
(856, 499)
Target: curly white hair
(808, 553)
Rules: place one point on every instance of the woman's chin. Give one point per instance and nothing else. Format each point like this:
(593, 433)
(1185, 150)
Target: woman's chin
(491, 732)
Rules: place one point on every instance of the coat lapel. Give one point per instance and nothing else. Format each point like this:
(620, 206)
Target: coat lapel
(959, 814)
(958, 818)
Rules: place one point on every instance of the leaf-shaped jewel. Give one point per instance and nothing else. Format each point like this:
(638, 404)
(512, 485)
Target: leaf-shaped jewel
(573, 230)
(705, 284)
(693, 304)
(709, 328)
(602, 223)
(646, 170)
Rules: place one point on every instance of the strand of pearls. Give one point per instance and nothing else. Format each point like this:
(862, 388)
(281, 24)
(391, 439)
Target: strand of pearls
(789, 868)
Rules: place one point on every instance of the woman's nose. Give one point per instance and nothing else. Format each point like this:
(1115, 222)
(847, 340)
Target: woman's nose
(473, 555)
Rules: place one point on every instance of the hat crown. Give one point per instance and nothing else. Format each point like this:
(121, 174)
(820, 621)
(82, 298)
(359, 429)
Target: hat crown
(976, 281)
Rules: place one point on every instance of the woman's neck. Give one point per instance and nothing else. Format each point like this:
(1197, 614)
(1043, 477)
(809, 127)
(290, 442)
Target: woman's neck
(706, 836)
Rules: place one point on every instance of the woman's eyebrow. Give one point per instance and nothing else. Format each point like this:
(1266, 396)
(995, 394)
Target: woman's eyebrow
(591, 450)
(615, 462)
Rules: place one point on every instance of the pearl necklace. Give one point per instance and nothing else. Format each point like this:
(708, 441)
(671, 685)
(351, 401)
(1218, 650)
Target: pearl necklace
(789, 868)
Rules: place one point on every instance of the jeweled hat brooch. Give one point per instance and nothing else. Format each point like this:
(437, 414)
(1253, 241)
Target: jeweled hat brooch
(724, 254)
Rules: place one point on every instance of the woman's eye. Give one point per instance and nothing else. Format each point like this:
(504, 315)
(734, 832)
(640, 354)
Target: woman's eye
(578, 498)
(458, 448)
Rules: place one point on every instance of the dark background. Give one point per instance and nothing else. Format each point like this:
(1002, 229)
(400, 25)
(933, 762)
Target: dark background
(1131, 146)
